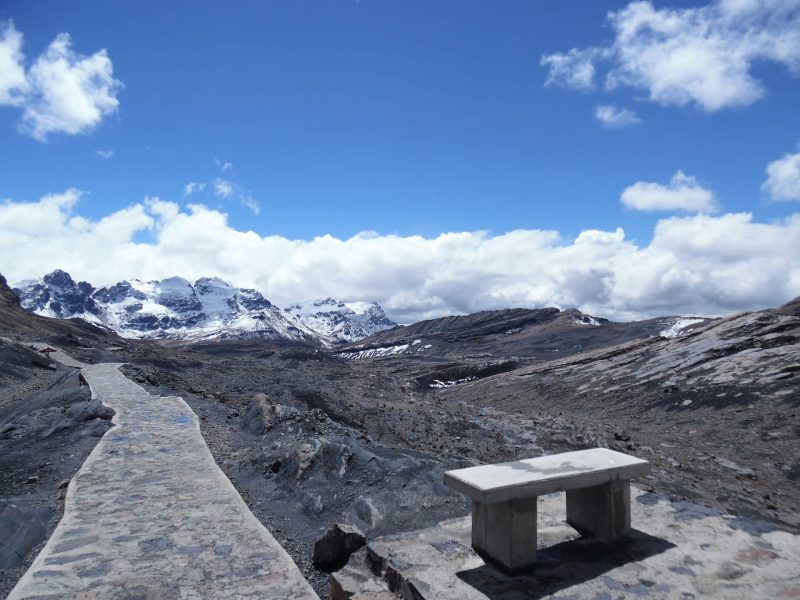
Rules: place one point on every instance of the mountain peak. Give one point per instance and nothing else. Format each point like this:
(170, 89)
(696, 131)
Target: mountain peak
(340, 321)
(59, 278)
(212, 281)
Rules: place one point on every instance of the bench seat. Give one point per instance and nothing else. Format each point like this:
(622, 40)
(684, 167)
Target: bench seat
(597, 483)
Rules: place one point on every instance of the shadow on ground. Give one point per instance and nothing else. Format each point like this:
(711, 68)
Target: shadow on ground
(567, 564)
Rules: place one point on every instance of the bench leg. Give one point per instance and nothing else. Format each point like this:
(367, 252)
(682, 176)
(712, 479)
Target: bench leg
(602, 511)
(504, 533)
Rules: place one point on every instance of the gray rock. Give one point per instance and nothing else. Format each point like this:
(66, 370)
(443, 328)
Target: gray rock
(366, 512)
(332, 457)
(262, 415)
(337, 544)
(356, 582)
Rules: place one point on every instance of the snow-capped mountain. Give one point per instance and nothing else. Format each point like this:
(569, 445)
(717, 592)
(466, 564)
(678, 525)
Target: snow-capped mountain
(340, 321)
(171, 308)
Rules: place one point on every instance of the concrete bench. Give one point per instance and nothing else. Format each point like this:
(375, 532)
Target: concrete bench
(597, 483)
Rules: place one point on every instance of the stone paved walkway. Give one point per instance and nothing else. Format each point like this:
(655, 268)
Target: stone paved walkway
(60, 356)
(150, 515)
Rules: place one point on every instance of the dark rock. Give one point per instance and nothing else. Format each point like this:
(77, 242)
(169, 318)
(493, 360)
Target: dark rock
(94, 409)
(337, 544)
(22, 527)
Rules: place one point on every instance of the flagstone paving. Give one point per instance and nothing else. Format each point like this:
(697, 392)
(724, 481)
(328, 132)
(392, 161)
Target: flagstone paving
(151, 515)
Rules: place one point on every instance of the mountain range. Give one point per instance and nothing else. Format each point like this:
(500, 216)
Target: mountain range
(211, 310)
(207, 309)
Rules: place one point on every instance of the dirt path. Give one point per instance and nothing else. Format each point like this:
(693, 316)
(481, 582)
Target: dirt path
(150, 514)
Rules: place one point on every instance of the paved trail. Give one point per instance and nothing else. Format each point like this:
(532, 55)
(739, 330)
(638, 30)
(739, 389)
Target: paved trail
(60, 356)
(150, 515)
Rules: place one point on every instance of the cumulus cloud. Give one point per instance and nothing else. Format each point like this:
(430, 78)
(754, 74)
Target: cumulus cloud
(62, 91)
(69, 93)
(225, 166)
(612, 117)
(701, 56)
(104, 153)
(783, 178)
(694, 265)
(683, 193)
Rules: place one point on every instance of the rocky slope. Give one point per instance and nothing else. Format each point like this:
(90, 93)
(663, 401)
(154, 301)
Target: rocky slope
(716, 409)
(545, 333)
(208, 309)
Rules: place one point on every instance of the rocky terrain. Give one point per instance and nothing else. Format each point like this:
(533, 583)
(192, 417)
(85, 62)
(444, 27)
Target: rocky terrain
(545, 334)
(321, 408)
(716, 409)
(311, 437)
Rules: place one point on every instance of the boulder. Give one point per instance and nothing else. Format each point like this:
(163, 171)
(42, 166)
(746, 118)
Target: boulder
(294, 464)
(262, 414)
(337, 544)
(333, 458)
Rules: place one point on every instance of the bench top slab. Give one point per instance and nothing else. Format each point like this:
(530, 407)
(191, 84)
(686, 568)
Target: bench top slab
(545, 474)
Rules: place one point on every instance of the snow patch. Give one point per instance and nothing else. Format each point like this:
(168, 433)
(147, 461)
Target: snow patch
(446, 384)
(586, 320)
(374, 352)
(678, 327)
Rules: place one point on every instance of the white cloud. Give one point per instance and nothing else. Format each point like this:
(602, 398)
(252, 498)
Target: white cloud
(13, 84)
(573, 69)
(683, 192)
(783, 178)
(700, 56)
(104, 153)
(225, 166)
(251, 203)
(193, 187)
(62, 92)
(694, 264)
(612, 117)
(223, 188)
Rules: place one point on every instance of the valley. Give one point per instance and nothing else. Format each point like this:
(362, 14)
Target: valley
(312, 435)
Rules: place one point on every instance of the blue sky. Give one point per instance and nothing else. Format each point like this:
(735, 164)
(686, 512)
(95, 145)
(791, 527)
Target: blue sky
(409, 118)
